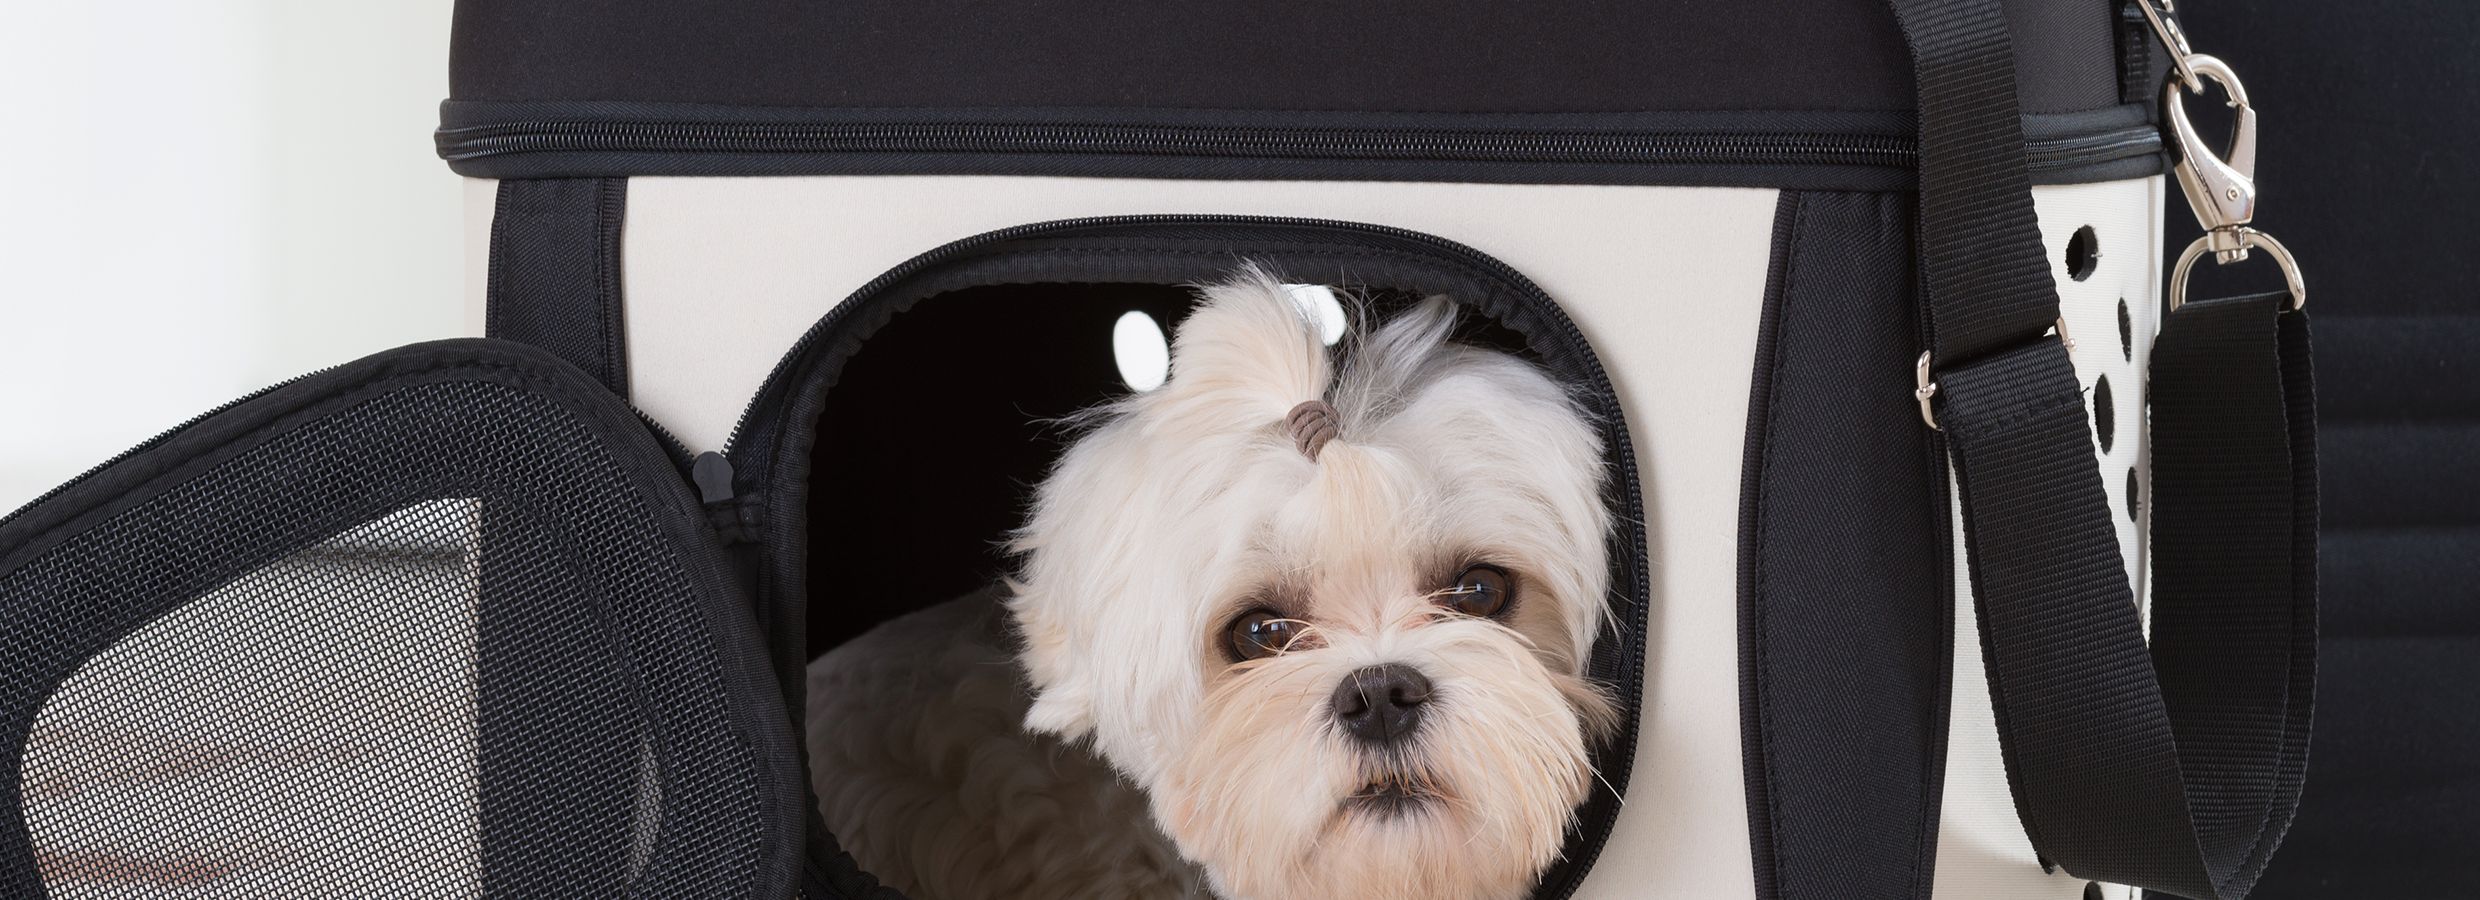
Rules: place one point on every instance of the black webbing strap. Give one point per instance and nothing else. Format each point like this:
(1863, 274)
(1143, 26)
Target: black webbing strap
(2234, 568)
(555, 272)
(2181, 781)
(1981, 259)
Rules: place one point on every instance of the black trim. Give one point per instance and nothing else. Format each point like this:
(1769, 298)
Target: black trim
(1844, 620)
(554, 277)
(770, 449)
(1799, 149)
(1755, 762)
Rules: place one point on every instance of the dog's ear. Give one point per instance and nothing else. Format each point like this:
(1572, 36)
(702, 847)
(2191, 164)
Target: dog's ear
(1063, 710)
(1061, 704)
(1249, 345)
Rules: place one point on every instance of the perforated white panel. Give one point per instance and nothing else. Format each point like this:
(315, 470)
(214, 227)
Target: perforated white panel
(1982, 851)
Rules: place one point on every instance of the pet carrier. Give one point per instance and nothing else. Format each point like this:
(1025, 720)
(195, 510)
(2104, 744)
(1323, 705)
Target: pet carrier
(1864, 298)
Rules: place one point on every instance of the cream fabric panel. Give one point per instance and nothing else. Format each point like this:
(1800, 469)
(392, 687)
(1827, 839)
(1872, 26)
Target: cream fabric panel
(481, 207)
(723, 274)
(1982, 851)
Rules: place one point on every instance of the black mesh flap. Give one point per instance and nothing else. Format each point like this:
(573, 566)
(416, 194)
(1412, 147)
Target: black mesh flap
(438, 623)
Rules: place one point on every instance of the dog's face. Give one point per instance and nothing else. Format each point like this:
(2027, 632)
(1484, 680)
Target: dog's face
(1357, 673)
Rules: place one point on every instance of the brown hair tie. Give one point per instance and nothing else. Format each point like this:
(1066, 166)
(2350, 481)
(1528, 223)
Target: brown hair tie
(1312, 424)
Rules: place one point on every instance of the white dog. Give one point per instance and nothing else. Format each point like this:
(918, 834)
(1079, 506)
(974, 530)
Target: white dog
(1285, 627)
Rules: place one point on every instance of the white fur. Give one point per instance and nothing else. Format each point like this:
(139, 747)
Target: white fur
(1185, 506)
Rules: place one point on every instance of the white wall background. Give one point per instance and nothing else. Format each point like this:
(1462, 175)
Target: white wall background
(198, 199)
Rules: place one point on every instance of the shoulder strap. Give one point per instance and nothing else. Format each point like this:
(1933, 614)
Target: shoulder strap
(2173, 767)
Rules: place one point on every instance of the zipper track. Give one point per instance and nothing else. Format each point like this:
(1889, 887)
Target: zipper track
(799, 352)
(157, 441)
(457, 144)
(1382, 144)
(2053, 153)
(775, 392)
(681, 455)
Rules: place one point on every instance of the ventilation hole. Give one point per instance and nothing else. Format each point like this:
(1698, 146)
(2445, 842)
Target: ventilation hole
(2083, 253)
(1143, 354)
(2103, 415)
(2126, 331)
(2092, 890)
(2135, 505)
(1318, 302)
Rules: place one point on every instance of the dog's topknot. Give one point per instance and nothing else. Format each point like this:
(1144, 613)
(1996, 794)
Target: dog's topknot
(1312, 424)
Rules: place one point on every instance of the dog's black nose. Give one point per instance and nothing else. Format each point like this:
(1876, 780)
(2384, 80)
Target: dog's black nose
(1382, 704)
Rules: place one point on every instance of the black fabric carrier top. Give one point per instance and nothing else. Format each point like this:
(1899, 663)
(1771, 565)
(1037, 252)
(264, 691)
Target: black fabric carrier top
(1772, 93)
(619, 619)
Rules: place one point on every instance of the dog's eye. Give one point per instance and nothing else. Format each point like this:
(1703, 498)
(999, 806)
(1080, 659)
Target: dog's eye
(1261, 633)
(1482, 591)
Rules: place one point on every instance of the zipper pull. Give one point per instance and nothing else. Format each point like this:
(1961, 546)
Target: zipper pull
(733, 521)
(713, 476)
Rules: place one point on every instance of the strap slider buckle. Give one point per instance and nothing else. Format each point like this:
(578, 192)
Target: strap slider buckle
(1925, 388)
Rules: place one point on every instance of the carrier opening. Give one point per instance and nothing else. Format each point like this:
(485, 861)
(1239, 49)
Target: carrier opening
(937, 427)
(889, 458)
(940, 424)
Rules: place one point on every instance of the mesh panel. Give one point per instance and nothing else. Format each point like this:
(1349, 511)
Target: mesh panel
(309, 727)
(299, 674)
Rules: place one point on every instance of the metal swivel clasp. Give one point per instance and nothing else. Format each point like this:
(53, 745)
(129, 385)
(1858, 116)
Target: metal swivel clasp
(2220, 185)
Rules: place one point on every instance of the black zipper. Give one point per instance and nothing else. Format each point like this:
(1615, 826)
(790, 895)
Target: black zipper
(2048, 154)
(680, 452)
(1361, 144)
(156, 441)
(779, 393)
